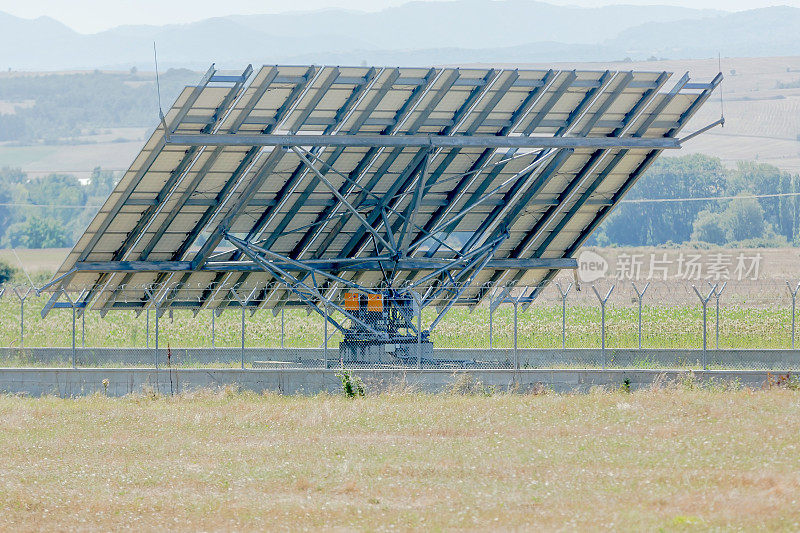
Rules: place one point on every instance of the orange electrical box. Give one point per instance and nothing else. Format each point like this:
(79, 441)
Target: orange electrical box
(375, 302)
(351, 301)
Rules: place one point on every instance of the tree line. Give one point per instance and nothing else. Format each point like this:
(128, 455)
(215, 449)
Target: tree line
(55, 107)
(752, 205)
(49, 212)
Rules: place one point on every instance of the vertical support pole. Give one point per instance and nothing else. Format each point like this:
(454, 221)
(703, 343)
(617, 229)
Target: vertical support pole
(603, 300)
(325, 334)
(282, 328)
(516, 350)
(794, 304)
(704, 301)
(639, 297)
(83, 328)
(243, 313)
(147, 329)
(213, 328)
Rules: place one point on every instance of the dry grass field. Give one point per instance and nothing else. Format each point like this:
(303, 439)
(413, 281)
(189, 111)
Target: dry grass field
(673, 458)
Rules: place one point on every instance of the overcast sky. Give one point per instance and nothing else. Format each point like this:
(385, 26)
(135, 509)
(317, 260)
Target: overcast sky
(88, 16)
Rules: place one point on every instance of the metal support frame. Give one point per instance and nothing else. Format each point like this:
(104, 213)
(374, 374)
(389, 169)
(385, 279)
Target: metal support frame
(704, 301)
(639, 297)
(317, 280)
(603, 301)
(423, 141)
(344, 201)
(306, 292)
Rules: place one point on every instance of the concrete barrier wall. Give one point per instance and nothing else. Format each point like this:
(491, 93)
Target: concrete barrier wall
(119, 382)
(477, 358)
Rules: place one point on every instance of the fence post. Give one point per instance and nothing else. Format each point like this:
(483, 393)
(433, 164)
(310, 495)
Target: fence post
(22, 298)
(717, 294)
(213, 328)
(282, 330)
(325, 335)
(147, 328)
(72, 306)
(83, 328)
(704, 301)
(603, 301)
(491, 312)
(243, 303)
(155, 356)
(564, 294)
(244, 309)
(639, 296)
(794, 302)
(419, 336)
(516, 351)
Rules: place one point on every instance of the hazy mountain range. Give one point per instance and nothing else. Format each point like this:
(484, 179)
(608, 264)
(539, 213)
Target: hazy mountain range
(418, 33)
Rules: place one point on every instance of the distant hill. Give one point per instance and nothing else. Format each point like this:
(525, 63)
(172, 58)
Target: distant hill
(417, 32)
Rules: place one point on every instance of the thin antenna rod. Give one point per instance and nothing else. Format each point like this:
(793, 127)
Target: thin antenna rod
(158, 90)
(24, 270)
(721, 100)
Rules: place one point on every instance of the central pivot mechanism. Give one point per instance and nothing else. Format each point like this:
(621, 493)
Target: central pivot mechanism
(391, 336)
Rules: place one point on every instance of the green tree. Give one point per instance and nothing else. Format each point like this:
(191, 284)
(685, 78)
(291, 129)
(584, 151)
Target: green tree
(655, 223)
(6, 272)
(710, 227)
(744, 219)
(38, 232)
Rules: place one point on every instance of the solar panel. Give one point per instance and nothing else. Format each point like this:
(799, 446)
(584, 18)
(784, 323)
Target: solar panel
(309, 181)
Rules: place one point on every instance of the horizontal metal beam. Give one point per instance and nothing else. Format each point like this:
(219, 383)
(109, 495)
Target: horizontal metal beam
(420, 141)
(340, 265)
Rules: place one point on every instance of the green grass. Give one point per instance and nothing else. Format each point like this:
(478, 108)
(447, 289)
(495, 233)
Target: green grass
(668, 459)
(539, 327)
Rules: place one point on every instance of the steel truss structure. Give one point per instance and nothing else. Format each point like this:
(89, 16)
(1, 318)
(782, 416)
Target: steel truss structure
(428, 186)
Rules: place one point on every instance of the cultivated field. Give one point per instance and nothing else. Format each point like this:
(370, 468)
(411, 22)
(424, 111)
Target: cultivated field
(753, 314)
(668, 459)
(538, 327)
(761, 104)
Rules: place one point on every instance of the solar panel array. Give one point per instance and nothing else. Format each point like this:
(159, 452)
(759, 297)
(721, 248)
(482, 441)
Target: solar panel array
(171, 210)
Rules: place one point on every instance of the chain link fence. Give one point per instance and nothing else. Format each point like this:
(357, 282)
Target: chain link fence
(663, 324)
